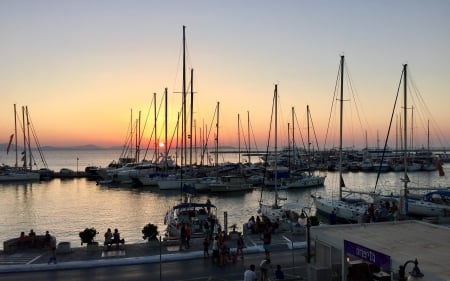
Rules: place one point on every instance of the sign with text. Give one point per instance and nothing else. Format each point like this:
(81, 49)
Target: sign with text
(367, 254)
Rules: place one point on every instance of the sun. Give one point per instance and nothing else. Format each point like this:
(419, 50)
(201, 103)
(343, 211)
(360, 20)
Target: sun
(161, 144)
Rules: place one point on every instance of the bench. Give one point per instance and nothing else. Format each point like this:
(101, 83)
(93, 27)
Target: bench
(12, 245)
(118, 244)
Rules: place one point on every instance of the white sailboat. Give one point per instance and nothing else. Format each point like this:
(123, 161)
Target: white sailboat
(346, 210)
(276, 211)
(413, 206)
(8, 174)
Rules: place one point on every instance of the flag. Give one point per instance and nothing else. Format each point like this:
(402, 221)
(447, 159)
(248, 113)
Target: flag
(9, 144)
(342, 183)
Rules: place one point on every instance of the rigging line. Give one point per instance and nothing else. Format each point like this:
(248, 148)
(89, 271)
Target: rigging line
(267, 146)
(145, 126)
(241, 130)
(336, 86)
(389, 130)
(355, 96)
(314, 130)
(209, 132)
(300, 132)
(253, 134)
(425, 108)
(153, 130)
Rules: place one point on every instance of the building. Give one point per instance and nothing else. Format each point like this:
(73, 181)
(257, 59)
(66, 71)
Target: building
(354, 251)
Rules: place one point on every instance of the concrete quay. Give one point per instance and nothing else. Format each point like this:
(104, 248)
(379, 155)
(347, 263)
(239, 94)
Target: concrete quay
(141, 253)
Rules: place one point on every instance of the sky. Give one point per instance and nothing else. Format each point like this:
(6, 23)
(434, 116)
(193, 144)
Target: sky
(86, 69)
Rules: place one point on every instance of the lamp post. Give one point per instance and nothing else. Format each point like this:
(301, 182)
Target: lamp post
(303, 215)
(415, 274)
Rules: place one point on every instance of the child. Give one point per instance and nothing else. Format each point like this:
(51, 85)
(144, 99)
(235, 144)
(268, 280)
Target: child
(279, 274)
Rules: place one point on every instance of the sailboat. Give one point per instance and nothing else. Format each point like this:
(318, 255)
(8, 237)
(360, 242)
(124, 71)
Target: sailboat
(302, 179)
(345, 209)
(8, 174)
(202, 217)
(275, 211)
(413, 205)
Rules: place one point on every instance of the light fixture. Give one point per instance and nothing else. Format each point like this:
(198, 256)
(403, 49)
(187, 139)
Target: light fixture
(414, 275)
(303, 215)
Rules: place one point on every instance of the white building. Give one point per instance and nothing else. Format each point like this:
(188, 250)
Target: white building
(343, 251)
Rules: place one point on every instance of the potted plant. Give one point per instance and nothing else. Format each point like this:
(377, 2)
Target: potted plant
(150, 232)
(87, 236)
(233, 233)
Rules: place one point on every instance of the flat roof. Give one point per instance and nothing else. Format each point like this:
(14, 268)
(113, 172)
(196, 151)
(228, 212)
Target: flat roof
(401, 240)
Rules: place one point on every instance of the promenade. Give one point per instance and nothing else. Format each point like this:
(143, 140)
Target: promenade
(31, 260)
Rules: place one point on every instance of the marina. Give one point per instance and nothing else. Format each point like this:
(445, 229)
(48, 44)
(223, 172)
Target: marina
(67, 206)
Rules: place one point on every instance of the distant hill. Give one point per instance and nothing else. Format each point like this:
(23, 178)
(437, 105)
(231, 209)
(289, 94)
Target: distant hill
(4, 146)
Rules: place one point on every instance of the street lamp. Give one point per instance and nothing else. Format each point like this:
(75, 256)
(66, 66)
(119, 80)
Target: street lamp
(415, 274)
(303, 215)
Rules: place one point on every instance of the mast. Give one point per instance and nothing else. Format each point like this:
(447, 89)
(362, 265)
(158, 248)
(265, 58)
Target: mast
(217, 136)
(165, 130)
(248, 135)
(24, 140)
(309, 142)
(156, 131)
(192, 113)
(30, 162)
(294, 150)
(239, 139)
(276, 145)
(405, 140)
(183, 123)
(15, 134)
(341, 127)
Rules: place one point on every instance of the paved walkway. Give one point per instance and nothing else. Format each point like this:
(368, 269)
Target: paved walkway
(81, 257)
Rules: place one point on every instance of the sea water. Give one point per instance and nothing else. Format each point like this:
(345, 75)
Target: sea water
(66, 207)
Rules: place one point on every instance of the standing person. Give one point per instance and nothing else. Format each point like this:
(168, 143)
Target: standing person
(188, 235)
(250, 274)
(240, 246)
(279, 274)
(264, 267)
(53, 256)
(182, 236)
(215, 250)
(206, 246)
(32, 238)
(267, 239)
(47, 239)
(208, 206)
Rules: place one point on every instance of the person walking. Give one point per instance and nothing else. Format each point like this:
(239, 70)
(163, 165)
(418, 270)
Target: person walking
(240, 246)
(53, 256)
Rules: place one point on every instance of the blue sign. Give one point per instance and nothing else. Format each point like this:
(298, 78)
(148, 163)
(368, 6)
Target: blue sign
(367, 254)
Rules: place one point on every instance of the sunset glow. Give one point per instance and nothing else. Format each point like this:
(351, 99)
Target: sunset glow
(88, 74)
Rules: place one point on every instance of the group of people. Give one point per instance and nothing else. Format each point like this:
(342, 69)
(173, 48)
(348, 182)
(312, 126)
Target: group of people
(113, 238)
(31, 240)
(385, 211)
(185, 236)
(265, 268)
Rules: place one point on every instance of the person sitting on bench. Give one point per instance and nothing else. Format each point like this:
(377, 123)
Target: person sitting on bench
(116, 238)
(108, 238)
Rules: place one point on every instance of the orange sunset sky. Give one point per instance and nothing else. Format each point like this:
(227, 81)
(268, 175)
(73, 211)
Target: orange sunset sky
(81, 67)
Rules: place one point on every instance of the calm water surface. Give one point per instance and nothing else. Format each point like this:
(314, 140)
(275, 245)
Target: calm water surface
(66, 207)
